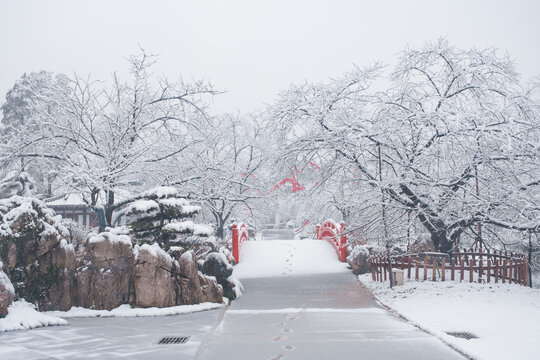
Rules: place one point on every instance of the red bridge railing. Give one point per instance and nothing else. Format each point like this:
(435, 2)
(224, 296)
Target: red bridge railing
(336, 235)
(239, 235)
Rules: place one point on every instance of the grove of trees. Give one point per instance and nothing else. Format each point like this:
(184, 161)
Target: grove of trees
(444, 144)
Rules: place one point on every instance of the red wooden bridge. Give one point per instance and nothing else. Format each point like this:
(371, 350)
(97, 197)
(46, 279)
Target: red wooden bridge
(335, 234)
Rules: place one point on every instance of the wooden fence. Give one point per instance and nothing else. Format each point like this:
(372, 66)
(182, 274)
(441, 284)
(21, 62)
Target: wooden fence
(467, 265)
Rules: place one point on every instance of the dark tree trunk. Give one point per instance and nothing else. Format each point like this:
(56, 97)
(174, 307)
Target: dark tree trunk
(109, 209)
(220, 231)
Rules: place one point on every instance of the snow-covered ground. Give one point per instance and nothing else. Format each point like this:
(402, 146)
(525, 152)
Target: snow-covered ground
(127, 311)
(287, 258)
(22, 315)
(505, 318)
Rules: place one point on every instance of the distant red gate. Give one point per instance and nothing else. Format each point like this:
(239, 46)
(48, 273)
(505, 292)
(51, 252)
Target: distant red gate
(239, 235)
(336, 235)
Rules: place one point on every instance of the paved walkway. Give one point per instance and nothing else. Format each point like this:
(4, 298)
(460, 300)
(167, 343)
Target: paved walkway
(299, 303)
(311, 311)
(110, 338)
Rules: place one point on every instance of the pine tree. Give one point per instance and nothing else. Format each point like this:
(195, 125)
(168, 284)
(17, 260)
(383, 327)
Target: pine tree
(159, 216)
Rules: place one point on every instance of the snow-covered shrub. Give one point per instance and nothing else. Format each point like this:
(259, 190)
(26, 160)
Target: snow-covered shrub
(160, 215)
(216, 264)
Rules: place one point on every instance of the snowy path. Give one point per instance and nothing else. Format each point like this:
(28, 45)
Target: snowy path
(300, 302)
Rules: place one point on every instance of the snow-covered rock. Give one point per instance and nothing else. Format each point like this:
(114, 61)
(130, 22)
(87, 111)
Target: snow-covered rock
(217, 265)
(7, 292)
(358, 259)
(36, 253)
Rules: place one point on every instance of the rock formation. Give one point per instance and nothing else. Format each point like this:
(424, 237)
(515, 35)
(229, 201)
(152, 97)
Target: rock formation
(102, 273)
(7, 293)
(358, 259)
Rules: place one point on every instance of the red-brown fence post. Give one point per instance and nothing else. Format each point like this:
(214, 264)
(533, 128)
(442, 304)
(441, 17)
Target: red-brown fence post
(443, 269)
(504, 271)
(510, 274)
(488, 270)
(526, 269)
(497, 260)
(452, 269)
(462, 275)
(480, 269)
(471, 271)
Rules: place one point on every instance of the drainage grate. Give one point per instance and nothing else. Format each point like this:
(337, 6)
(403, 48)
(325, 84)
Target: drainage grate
(463, 335)
(169, 340)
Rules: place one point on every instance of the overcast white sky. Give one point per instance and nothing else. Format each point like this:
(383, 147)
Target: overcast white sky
(252, 49)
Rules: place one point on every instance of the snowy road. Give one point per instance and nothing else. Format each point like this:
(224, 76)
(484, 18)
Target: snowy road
(300, 302)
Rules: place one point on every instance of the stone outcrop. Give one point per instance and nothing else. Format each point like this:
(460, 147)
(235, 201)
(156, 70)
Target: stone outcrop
(358, 259)
(7, 293)
(153, 278)
(102, 273)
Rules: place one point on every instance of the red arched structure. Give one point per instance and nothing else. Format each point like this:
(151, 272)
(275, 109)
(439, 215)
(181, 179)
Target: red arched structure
(239, 235)
(336, 235)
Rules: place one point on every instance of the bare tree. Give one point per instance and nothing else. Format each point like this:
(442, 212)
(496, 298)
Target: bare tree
(450, 119)
(109, 138)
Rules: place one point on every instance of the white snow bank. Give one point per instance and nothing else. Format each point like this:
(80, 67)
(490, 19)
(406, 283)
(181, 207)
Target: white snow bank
(506, 318)
(22, 315)
(308, 310)
(189, 227)
(287, 258)
(127, 311)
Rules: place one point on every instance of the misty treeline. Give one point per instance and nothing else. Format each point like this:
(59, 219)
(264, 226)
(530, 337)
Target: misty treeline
(443, 145)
